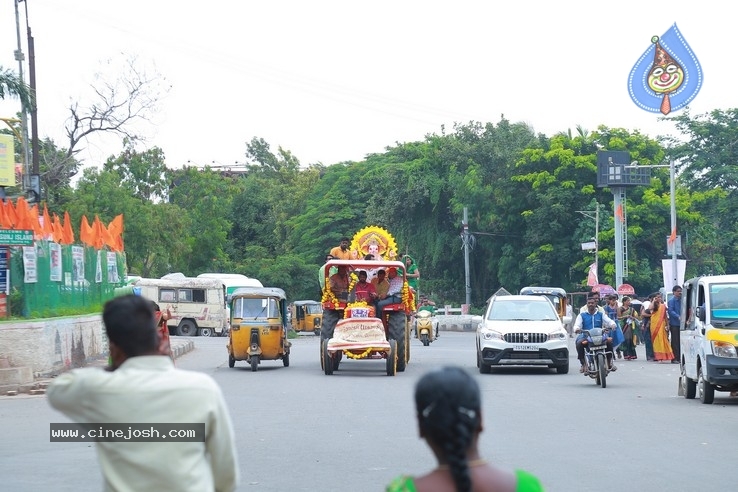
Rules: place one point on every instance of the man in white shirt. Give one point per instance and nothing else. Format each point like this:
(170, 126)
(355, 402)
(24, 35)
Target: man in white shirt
(142, 386)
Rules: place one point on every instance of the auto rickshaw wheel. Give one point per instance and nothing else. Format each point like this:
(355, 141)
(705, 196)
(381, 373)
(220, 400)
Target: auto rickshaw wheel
(392, 358)
(231, 361)
(398, 333)
(254, 363)
(286, 360)
(316, 331)
(327, 359)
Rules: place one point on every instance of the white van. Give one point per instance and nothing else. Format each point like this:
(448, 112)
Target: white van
(709, 336)
(197, 305)
(232, 281)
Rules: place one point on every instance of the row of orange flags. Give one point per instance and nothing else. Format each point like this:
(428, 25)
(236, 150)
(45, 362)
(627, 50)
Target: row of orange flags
(22, 216)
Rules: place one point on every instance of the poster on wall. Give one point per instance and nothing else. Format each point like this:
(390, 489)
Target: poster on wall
(98, 268)
(55, 262)
(29, 264)
(112, 268)
(78, 264)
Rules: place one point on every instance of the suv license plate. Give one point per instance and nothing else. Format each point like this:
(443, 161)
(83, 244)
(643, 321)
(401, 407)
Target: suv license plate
(525, 348)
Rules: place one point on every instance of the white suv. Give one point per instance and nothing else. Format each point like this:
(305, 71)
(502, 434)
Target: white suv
(521, 331)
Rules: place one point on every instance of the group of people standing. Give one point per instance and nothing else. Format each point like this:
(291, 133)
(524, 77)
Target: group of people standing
(655, 324)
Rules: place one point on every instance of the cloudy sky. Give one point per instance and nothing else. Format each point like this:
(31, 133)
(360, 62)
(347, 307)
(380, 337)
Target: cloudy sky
(332, 81)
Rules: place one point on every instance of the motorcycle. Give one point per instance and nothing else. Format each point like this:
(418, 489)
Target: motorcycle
(595, 355)
(424, 327)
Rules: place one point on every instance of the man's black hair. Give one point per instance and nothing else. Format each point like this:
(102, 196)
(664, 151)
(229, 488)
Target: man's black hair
(344, 238)
(130, 325)
(676, 288)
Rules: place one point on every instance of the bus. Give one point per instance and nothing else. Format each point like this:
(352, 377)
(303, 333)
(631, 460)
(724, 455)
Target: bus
(232, 281)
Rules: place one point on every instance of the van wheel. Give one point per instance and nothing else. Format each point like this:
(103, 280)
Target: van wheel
(205, 332)
(689, 386)
(707, 391)
(186, 328)
(231, 361)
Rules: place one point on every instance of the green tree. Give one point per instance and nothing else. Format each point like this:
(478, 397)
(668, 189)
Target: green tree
(11, 85)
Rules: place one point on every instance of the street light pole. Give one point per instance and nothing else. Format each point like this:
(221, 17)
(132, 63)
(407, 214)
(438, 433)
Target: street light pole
(596, 218)
(24, 117)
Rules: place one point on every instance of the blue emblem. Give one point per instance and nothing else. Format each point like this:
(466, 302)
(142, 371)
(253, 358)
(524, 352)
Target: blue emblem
(667, 76)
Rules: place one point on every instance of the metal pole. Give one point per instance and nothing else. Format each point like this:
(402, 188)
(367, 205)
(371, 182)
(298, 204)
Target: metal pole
(597, 240)
(466, 258)
(24, 117)
(672, 176)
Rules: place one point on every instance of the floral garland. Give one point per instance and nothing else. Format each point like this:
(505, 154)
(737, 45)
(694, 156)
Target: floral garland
(351, 355)
(352, 283)
(329, 296)
(408, 302)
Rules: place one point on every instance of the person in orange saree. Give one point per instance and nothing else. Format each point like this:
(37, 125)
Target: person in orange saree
(660, 330)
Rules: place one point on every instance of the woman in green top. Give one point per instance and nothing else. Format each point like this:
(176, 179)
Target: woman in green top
(412, 272)
(448, 404)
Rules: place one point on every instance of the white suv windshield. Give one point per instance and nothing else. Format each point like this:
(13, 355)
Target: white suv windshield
(523, 310)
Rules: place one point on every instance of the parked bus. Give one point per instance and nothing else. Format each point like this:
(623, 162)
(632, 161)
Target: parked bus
(197, 305)
(232, 281)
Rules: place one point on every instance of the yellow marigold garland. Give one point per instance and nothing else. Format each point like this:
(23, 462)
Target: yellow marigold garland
(351, 355)
(329, 296)
(406, 300)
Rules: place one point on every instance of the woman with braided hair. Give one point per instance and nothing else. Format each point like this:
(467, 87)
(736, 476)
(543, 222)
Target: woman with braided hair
(448, 403)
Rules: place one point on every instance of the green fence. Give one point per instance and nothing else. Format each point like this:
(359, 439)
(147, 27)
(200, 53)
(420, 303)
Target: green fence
(49, 279)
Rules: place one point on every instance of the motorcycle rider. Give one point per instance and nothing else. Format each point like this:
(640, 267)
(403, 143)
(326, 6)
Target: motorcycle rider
(591, 318)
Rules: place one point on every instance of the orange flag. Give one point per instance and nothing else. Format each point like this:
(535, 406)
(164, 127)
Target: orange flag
(85, 232)
(5, 222)
(23, 221)
(619, 213)
(99, 232)
(58, 231)
(68, 233)
(38, 230)
(48, 225)
(10, 212)
(115, 231)
(673, 236)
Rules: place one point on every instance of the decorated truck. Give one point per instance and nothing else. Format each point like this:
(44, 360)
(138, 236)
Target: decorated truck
(366, 304)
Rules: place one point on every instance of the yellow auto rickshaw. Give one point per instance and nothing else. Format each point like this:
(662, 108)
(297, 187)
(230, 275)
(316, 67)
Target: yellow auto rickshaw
(306, 316)
(556, 295)
(258, 326)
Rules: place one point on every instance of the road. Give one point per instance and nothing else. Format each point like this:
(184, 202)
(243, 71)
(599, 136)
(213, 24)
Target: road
(300, 430)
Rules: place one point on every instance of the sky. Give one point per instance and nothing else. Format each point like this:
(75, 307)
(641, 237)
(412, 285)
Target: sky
(334, 81)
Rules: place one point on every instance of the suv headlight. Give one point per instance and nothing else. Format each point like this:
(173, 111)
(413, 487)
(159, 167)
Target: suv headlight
(557, 335)
(723, 349)
(491, 335)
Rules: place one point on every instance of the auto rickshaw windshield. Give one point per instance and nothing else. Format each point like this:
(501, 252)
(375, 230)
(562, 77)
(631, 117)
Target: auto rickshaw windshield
(313, 308)
(244, 307)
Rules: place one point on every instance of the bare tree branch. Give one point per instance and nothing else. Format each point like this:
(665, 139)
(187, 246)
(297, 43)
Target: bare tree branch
(120, 104)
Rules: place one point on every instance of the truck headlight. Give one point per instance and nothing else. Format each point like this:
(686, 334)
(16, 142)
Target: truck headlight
(492, 335)
(723, 349)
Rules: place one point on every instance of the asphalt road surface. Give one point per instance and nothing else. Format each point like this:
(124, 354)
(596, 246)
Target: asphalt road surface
(300, 430)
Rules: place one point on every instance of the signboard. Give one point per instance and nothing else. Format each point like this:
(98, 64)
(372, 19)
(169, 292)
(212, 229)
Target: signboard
(7, 161)
(670, 246)
(11, 237)
(589, 246)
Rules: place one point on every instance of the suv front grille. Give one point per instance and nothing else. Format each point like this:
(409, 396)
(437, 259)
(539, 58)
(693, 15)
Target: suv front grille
(526, 338)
